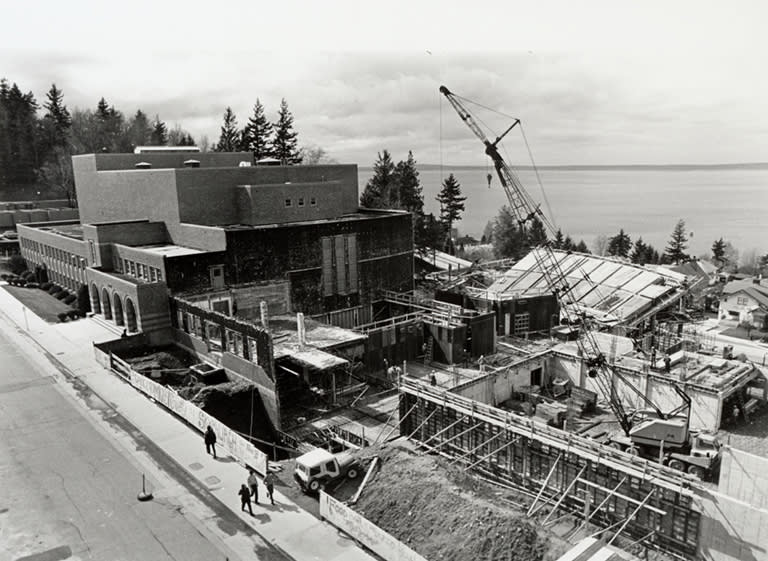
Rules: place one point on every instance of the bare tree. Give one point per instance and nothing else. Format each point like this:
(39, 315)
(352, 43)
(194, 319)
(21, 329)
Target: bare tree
(600, 245)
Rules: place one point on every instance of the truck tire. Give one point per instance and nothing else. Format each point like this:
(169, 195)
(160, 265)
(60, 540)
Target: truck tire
(676, 464)
(633, 451)
(314, 486)
(352, 473)
(698, 471)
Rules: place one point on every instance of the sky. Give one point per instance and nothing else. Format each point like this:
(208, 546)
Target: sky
(593, 82)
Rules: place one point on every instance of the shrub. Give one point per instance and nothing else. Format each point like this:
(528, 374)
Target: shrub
(69, 299)
(17, 264)
(62, 316)
(46, 285)
(54, 289)
(4, 276)
(73, 314)
(21, 282)
(60, 295)
(27, 275)
(33, 285)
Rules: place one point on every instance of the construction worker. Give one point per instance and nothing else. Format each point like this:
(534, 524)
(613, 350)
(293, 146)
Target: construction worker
(667, 363)
(653, 357)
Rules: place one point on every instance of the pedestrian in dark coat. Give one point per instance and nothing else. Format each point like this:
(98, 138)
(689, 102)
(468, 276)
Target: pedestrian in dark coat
(210, 441)
(253, 483)
(269, 483)
(245, 498)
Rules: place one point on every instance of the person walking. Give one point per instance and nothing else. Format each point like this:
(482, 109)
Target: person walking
(210, 441)
(269, 483)
(245, 498)
(253, 483)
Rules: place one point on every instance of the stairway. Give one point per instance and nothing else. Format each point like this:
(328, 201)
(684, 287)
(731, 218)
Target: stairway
(430, 351)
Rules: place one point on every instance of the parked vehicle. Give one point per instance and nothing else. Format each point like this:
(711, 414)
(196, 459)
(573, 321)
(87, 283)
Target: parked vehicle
(318, 469)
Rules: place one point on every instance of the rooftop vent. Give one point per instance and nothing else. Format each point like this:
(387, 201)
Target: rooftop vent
(192, 164)
(143, 165)
(245, 164)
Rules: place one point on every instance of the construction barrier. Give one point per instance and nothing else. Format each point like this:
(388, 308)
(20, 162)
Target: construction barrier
(365, 531)
(227, 438)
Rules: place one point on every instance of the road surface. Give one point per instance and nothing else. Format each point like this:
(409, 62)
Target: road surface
(67, 490)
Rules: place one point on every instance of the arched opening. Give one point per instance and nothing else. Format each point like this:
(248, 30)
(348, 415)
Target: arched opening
(130, 316)
(95, 302)
(119, 320)
(105, 304)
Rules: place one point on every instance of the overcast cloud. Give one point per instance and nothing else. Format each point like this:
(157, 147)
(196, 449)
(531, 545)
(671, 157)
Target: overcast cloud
(593, 82)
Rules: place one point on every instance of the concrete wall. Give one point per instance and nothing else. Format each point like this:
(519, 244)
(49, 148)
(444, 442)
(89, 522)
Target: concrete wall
(204, 238)
(255, 373)
(495, 388)
(731, 530)
(744, 476)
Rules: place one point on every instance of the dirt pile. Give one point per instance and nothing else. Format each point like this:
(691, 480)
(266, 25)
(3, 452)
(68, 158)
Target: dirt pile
(445, 515)
(159, 360)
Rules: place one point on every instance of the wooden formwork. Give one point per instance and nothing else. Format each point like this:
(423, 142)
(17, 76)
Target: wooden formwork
(603, 486)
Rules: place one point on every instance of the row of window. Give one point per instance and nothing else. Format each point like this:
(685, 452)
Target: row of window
(300, 202)
(64, 268)
(218, 338)
(138, 270)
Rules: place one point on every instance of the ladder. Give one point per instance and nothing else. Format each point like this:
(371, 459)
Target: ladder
(742, 405)
(429, 353)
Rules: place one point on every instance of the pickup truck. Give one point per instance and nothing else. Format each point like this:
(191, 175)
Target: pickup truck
(319, 468)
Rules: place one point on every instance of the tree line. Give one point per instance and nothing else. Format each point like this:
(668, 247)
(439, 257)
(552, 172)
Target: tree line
(37, 141)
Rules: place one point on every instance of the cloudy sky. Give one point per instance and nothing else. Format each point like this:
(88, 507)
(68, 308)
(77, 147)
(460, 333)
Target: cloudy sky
(594, 82)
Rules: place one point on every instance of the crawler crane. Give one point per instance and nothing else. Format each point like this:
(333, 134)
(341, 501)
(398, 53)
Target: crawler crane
(660, 436)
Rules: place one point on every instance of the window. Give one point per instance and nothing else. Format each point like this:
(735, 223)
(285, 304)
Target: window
(742, 301)
(301, 201)
(159, 275)
(288, 202)
(312, 201)
(133, 268)
(152, 274)
(522, 322)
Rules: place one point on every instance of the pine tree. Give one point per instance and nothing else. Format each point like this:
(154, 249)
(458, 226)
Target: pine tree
(718, 252)
(675, 251)
(537, 234)
(57, 117)
(229, 139)
(581, 247)
(257, 134)
(407, 186)
(559, 241)
(620, 244)
(137, 133)
(568, 244)
(451, 202)
(428, 232)
(159, 135)
(509, 239)
(377, 191)
(109, 127)
(285, 145)
(639, 253)
(20, 156)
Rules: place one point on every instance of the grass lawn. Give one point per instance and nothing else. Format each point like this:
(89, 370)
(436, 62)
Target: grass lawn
(741, 333)
(39, 301)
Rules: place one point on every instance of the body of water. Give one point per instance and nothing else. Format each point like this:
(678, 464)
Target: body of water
(715, 202)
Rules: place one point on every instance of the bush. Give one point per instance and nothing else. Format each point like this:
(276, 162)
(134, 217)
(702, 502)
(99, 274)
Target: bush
(62, 316)
(5, 276)
(46, 285)
(21, 282)
(33, 285)
(61, 295)
(17, 264)
(27, 275)
(69, 299)
(73, 314)
(54, 289)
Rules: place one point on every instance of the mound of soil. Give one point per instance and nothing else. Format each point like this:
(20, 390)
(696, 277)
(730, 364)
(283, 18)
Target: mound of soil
(444, 514)
(159, 360)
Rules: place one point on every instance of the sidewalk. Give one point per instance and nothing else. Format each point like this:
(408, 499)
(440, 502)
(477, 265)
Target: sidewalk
(284, 526)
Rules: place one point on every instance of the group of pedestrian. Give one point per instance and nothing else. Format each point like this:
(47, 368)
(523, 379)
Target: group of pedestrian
(250, 489)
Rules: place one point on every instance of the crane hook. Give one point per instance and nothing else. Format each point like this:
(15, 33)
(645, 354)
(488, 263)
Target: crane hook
(489, 177)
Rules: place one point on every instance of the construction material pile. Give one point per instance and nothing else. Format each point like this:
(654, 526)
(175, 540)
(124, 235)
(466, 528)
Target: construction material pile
(444, 514)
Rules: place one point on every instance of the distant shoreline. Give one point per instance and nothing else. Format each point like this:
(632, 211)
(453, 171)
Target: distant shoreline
(588, 167)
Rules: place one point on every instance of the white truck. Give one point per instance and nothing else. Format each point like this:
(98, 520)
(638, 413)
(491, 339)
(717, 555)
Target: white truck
(318, 469)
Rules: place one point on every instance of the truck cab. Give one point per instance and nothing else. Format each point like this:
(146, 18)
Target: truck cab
(319, 468)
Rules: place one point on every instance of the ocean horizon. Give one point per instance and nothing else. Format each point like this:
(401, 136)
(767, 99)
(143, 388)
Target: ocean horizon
(586, 201)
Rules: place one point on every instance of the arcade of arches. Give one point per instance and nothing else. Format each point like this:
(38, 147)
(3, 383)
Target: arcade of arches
(115, 307)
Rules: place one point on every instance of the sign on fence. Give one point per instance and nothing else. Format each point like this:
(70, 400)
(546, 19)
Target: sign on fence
(228, 439)
(365, 531)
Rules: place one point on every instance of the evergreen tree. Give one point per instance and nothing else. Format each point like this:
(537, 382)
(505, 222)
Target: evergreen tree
(559, 241)
(285, 145)
(109, 127)
(581, 247)
(675, 251)
(537, 234)
(451, 202)
(137, 133)
(229, 139)
(377, 191)
(428, 232)
(639, 253)
(407, 186)
(159, 135)
(718, 252)
(56, 173)
(509, 238)
(568, 244)
(257, 134)
(57, 119)
(620, 244)
(19, 154)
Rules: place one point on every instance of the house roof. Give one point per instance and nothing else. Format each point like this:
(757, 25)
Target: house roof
(442, 261)
(758, 291)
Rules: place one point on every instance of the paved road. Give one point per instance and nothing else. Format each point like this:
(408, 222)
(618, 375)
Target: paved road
(66, 490)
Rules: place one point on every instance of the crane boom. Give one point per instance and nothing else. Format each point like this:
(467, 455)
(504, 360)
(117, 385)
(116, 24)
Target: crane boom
(524, 209)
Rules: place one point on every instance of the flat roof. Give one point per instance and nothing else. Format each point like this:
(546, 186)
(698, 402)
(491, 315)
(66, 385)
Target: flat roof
(74, 231)
(168, 250)
(363, 215)
(311, 358)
